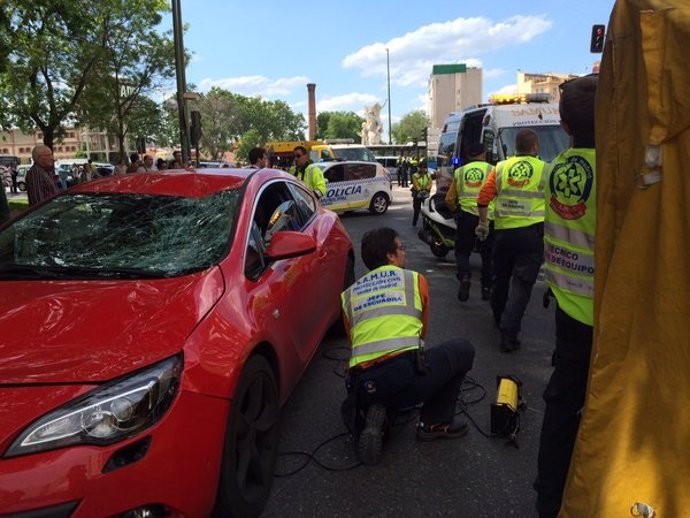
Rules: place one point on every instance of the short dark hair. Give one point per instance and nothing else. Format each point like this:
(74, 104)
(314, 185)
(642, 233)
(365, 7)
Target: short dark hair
(525, 140)
(134, 157)
(300, 148)
(577, 104)
(376, 245)
(256, 154)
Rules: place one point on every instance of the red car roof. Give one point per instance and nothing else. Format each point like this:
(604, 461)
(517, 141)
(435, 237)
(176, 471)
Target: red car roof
(171, 183)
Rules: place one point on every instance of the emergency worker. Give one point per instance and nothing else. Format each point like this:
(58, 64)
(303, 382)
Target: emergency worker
(570, 224)
(403, 167)
(306, 171)
(421, 187)
(386, 315)
(517, 186)
(461, 198)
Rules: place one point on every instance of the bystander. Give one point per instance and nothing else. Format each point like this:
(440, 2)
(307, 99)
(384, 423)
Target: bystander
(39, 178)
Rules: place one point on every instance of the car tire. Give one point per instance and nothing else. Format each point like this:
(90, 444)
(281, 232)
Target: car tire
(251, 443)
(338, 327)
(21, 186)
(379, 204)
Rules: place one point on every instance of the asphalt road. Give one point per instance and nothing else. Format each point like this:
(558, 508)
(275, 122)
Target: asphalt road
(470, 477)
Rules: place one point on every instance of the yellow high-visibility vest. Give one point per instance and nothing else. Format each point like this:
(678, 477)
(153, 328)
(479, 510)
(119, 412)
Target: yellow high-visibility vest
(469, 180)
(569, 229)
(384, 309)
(520, 198)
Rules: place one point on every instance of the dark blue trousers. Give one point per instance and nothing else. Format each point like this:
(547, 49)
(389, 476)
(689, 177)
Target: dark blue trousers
(564, 397)
(517, 257)
(402, 382)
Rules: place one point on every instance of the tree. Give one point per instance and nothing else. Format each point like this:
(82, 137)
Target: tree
(228, 119)
(339, 125)
(411, 128)
(136, 61)
(55, 46)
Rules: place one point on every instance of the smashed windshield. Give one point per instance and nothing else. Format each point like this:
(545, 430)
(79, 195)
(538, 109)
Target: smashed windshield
(552, 140)
(118, 235)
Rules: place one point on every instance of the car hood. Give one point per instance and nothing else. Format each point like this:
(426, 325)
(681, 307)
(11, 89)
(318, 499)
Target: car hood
(94, 331)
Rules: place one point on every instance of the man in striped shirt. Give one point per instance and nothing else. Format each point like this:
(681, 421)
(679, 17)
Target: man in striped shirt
(39, 178)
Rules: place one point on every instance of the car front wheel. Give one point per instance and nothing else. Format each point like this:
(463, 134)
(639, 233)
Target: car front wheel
(379, 204)
(21, 186)
(251, 443)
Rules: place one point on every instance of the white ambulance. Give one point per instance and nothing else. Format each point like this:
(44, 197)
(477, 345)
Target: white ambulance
(495, 125)
(352, 185)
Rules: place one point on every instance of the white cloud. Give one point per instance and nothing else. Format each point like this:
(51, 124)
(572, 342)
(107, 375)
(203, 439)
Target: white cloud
(457, 41)
(354, 101)
(493, 73)
(507, 89)
(253, 86)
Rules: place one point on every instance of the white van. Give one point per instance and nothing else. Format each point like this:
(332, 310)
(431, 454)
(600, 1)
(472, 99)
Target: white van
(495, 125)
(356, 185)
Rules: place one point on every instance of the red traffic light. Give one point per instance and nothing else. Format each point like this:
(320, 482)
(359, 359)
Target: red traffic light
(597, 42)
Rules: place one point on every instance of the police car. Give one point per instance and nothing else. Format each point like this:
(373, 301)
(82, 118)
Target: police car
(353, 185)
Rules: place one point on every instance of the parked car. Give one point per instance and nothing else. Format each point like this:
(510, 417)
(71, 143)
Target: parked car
(356, 185)
(164, 337)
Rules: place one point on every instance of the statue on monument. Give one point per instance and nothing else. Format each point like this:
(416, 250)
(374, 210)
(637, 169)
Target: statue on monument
(372, 127)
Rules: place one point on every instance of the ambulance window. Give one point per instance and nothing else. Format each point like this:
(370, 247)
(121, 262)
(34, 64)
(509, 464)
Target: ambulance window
(335, 173)
(360, 171)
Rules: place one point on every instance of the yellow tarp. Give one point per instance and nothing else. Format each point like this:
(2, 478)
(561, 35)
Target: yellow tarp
(634, 440)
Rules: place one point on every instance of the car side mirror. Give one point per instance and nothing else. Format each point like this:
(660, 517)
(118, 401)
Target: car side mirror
(287, 243)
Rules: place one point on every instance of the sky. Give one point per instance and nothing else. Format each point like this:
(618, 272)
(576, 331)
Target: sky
(273, 49)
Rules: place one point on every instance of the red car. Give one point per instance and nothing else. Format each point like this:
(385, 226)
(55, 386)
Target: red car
(151, 326)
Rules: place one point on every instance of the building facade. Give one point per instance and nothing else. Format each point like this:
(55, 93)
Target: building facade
(542, 83)
(451, 88)
(97, 145)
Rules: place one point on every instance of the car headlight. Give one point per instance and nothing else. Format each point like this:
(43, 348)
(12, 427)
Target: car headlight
(112, 412)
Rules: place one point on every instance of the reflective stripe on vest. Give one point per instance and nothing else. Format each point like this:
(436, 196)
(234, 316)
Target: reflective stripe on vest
(575, 237)
(519, 188)
(569, 231)
(385, 313)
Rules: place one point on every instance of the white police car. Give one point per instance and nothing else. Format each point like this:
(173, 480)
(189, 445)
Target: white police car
(356, 185)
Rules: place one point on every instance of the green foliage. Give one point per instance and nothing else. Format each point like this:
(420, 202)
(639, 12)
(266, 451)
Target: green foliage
(70, 60)
(55, 47)
(228, 119)
(137, 60)
(248, 141)
(411, 128)
(339, 125)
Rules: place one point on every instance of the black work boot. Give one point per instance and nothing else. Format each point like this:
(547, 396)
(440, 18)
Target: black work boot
(370, 442)
(509, 342)
(486, 292)
(464, 290)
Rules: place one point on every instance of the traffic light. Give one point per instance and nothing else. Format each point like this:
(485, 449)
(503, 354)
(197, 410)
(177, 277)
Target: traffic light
(195, 128)
(597, 43)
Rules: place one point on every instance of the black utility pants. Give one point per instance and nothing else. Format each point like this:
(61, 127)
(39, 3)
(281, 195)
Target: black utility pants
(465, 242)
(517, 257)
(401, 383)
(564, 397)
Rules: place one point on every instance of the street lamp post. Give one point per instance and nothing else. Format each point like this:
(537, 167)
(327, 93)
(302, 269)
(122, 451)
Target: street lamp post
(181, 81)
(388, 76)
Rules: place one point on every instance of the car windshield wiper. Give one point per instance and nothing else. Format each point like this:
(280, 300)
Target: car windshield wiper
(76, 272)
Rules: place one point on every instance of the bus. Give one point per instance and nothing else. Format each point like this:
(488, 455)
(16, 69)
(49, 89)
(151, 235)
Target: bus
(410, 149)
